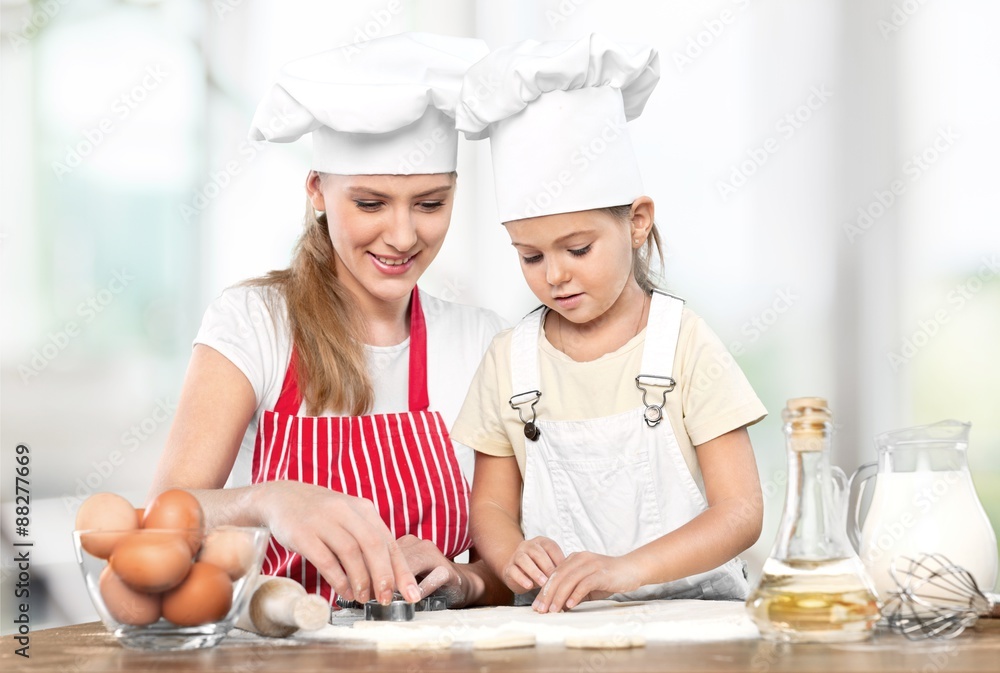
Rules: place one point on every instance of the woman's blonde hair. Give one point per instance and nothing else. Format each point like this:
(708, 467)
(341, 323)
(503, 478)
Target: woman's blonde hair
(642, 257)
(327, 328)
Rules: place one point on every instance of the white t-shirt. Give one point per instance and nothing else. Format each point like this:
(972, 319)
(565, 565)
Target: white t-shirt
(240, 326)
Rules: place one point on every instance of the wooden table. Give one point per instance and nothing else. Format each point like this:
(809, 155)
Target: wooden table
(88, 648)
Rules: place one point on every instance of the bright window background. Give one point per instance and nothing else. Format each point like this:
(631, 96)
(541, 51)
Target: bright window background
(109, 261)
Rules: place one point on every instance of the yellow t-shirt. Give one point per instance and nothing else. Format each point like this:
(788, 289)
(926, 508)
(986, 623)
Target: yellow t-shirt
(711, 398)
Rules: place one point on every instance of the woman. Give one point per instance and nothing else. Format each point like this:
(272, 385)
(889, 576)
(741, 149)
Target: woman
(320, 395)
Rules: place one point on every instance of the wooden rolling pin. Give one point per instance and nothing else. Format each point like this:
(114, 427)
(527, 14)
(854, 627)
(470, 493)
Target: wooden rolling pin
(279, 607)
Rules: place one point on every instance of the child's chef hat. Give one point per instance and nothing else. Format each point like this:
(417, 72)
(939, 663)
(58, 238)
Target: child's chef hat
(382, 107)
(555, 113)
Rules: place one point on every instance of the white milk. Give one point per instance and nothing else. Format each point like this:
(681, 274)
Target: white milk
(927, 512)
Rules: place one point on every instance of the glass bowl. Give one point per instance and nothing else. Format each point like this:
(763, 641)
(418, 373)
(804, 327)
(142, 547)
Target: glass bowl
(170, 589)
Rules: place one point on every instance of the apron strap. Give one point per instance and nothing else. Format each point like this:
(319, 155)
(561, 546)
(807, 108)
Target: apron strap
(290, 399)
(419, 399)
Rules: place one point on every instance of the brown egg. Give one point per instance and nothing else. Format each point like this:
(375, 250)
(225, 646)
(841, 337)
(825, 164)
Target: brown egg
(104, 511)
(124, 604)
(152, 560)
(205, 596)
(229, 549)
(140, 512)
(177, 509)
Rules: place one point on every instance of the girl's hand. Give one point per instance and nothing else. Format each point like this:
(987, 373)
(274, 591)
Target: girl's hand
(586, 576)
(343, 536)
(531, 565)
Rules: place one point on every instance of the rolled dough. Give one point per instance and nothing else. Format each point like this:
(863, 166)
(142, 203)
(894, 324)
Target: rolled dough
(591, 624)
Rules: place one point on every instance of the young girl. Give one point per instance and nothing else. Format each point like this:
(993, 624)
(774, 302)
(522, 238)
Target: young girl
(321, 395)
(610, 424)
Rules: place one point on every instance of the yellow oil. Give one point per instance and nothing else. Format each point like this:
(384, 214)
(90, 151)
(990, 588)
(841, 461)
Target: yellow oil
(813, 601)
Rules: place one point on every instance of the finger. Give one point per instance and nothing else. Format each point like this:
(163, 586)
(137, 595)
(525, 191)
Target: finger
(350, 553)
(385, 560)
(542, 600)
(545, 601)
(583, 592)
(328, 567)
(553, 550)
(435, 579)
(422, 556)
(570, 580)
(408, 542)
(372, 563)
(516, 580)
(402, 574)
(527, 565)
(543, 562)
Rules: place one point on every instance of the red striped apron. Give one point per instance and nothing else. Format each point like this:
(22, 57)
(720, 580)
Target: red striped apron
(404, 463)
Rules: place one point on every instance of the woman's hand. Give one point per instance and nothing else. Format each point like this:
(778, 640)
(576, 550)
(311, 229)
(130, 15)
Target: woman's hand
(343, 536)
(438, 573)
(532, 564)
(585, 576)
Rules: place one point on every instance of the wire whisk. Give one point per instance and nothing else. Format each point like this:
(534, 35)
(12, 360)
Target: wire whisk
(936, 598)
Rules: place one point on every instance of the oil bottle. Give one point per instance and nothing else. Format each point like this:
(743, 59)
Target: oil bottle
(813, 587)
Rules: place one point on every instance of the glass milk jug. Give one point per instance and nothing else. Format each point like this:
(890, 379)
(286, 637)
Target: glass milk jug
(923, 502)
(812, 588)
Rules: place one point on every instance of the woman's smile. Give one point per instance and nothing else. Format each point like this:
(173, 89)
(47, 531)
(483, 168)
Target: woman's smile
(392, 266)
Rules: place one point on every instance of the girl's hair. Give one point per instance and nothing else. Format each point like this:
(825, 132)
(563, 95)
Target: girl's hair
(642, 257)
(327, 327)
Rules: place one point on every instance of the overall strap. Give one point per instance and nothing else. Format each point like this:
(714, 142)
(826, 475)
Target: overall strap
(524, 353)
(657, 369)
(524, 375)
(662, 330)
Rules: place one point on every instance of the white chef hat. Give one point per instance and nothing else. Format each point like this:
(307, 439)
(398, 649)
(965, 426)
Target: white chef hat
(556, 114)
(382, 107)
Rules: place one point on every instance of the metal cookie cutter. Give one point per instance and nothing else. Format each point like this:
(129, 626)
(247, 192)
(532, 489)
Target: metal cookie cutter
(396, 611)
(432, 603)
(345, 604)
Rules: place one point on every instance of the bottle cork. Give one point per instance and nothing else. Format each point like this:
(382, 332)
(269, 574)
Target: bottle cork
(808, 421)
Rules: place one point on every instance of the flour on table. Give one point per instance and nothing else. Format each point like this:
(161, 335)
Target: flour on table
(595, 622)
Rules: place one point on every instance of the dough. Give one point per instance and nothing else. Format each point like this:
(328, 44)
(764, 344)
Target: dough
(604, 642)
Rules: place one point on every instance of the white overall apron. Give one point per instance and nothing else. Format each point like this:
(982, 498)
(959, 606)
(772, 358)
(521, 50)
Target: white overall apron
(610, 485)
